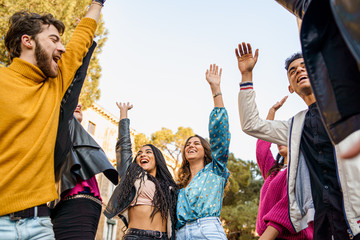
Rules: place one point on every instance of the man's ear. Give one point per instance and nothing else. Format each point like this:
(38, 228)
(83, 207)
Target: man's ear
(291, 90)
(27, 41)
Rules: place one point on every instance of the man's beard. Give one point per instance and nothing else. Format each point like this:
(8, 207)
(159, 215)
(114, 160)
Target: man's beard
(44, 61)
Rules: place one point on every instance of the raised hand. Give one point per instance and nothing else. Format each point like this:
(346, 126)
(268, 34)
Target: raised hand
(124, 108)
(213, 75)
(275, 107)
(279, 104)
(246, 60)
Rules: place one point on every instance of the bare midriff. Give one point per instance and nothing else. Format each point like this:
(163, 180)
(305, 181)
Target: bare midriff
(139, 217)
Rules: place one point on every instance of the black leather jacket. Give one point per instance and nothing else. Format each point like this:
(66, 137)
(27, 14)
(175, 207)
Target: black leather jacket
(330, 40)
(76, 152)
(124, 159)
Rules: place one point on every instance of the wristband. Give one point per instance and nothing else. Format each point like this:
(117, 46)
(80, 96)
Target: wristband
(217, 94)
(101, 2)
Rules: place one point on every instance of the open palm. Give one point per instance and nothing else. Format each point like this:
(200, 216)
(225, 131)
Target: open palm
(213, 75)
(246, 60)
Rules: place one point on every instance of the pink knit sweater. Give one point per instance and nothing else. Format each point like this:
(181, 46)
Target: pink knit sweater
(274, 204)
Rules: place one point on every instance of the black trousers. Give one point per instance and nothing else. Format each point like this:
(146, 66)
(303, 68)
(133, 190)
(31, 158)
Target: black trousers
(330, 225)
(139, 234)
(76, 219)
(136, 237)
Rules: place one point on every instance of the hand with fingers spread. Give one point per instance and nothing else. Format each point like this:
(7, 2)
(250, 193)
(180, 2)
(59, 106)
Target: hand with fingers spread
(213, 77)
(124, 108)
(274, 108)
(246, 60)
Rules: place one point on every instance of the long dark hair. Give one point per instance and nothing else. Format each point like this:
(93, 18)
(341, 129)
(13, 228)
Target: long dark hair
(165, 196)
(183, 174)
(279, 163)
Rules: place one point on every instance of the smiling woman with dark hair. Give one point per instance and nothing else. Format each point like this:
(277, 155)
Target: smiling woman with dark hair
(146, 197)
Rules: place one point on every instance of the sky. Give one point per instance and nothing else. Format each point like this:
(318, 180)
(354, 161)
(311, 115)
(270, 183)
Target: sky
(157, 53)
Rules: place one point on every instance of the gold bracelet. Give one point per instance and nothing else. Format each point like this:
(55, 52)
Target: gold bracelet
(217, 94)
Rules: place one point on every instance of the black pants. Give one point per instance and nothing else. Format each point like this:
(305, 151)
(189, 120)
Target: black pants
(136, 237)
(330, 224)
(76, 219)
(139, 234)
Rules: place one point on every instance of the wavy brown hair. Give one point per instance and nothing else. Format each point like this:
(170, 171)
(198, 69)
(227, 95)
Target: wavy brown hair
(183, 174)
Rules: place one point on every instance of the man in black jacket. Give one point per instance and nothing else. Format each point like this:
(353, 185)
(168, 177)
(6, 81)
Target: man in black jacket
(330, 40)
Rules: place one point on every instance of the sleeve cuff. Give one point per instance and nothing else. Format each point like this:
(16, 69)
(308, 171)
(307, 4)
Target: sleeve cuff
(246, 85)
(276, 226)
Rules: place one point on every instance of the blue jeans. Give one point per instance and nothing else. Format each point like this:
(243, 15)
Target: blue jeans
(26, 229)
(203, 228)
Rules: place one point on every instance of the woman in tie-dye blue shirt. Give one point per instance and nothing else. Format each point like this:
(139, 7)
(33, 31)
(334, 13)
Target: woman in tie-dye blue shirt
(203, 174)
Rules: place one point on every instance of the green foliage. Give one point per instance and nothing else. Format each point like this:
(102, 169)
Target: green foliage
(68, 11)
(166, 140)
(181, 135)
(241, 201)
(139, 141)
(163, 139)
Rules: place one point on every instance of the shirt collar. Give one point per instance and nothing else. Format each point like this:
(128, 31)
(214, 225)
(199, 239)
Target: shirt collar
(312, 106)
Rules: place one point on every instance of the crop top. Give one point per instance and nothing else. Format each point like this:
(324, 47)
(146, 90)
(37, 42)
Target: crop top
(146, 195)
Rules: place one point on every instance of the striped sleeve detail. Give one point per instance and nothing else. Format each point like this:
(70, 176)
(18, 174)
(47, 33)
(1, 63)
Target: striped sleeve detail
(246, 85)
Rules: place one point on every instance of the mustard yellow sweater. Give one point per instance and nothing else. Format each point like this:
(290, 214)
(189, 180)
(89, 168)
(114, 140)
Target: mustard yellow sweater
(29, 114)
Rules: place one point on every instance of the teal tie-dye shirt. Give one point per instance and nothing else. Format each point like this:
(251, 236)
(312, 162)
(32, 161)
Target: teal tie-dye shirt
(204, 194)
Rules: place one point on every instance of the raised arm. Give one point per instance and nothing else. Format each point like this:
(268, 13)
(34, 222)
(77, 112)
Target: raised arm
(271, 131)
(296, 7)
(213, 77)
(67, 108)
(274, 108)
(95, 9)
(264, 155)
(219, 124)
(123, 145)
(79, 44)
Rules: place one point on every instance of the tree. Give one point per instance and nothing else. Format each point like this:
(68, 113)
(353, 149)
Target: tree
(241, 201)
(140, 140)
(166, 140)
(68, 11)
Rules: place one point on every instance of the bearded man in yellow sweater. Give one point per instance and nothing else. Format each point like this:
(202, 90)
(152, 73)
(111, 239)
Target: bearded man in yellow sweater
(31, 89)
